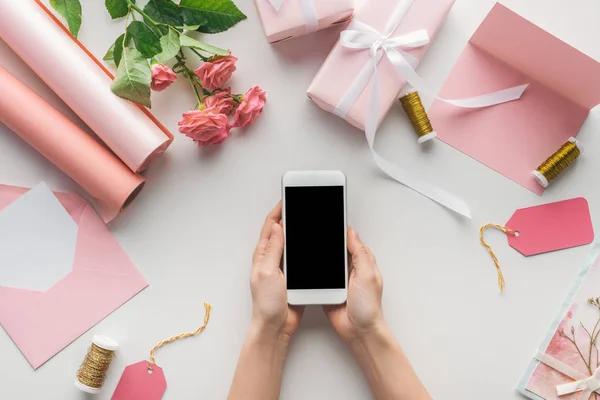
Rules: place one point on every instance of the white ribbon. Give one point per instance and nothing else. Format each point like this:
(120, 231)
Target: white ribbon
(308, 11)
(361, 36)
(584, 384)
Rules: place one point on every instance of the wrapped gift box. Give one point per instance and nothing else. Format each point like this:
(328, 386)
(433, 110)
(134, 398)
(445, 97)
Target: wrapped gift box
(343, 65)
(299, 17)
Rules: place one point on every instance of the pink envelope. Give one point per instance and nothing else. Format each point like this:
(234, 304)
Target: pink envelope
(516, 137)
(103, 278)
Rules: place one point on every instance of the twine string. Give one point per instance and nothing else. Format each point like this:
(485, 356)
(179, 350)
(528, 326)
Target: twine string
(152, 361)
(508, 231)
(94, 367)
(413, 106)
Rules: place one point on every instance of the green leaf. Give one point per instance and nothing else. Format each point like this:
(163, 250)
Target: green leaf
(187, 41)
(213, 16)
(170, 45)
(115, 51)
(71, 11)
(117, 8)
(164, 11)
(146, 40)
(118, 49)
(109, 57)
(133, 78)
(189, 27)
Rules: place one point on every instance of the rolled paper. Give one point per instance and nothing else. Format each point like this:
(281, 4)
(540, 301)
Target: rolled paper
(81, 157)
(284, 19)
(82, 82)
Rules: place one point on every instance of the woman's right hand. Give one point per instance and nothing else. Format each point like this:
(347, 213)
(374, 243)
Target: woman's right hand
(362, 313)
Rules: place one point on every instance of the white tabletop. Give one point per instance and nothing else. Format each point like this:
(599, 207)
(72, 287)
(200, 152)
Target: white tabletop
(193, 229)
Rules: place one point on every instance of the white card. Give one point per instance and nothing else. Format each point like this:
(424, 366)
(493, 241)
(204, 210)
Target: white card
(37, 241)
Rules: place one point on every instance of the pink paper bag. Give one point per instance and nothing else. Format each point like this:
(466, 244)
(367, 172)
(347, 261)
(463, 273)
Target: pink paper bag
(343, 65)
(299, 17)
(514, 139)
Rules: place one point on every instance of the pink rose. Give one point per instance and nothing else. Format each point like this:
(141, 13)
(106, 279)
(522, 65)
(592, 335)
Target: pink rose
(216, 71)
(205, 127)
(250, 108)
(221, 101)
(162, 77)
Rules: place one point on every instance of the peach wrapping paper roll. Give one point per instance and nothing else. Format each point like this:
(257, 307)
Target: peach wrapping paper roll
(67, 146)
(81, 82)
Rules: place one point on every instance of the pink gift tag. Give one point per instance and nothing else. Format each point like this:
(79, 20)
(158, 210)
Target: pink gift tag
(137, 383)
(551, 227)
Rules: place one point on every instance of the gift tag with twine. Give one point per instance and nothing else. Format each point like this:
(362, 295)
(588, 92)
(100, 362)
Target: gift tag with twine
(145, 379)
(545, 228)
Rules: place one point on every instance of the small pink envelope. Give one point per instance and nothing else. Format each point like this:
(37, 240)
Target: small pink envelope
(103, 278)
(515, 138)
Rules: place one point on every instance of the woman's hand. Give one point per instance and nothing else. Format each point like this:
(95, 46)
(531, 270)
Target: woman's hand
(362, 314)
(271, 313)
(260, 367)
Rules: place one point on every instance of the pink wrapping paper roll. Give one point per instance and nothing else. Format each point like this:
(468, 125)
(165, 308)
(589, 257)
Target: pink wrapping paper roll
(81, 82)
(291, 20)
(68, 147)
(343, 65)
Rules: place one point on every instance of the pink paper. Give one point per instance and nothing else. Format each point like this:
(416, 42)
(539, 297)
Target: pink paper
(43, 323)
(67, 146)
(343, 65)
(289, 21)
(551, 227)
(81, 81)
(515, 138)
(138, 384)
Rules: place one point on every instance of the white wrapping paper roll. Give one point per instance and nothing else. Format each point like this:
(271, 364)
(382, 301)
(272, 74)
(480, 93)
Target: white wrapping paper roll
(82, 83)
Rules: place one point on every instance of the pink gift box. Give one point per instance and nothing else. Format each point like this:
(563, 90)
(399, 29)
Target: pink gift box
(343, 65)
(289, 21)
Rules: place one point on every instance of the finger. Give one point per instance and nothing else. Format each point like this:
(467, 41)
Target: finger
(361, 256)
(273, 216)
(298, 310)
(274, 249)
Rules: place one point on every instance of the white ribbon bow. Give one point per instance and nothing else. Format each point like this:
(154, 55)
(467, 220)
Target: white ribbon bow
(308, 11)
(361, 36)
(586, 385)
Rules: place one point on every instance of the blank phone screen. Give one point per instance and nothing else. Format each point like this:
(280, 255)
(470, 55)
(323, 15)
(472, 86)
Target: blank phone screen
(315, 243)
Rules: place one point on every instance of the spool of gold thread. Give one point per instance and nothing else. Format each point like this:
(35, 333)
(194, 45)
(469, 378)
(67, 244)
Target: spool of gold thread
(557, 162)
(92, 373)
(413, 106)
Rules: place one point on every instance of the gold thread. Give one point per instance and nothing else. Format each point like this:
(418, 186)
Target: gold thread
(416, 114)
(92, 371)
(508, 231)
(559, 161)
(207, 308)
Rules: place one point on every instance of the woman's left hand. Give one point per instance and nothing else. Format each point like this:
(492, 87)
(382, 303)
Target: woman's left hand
(271, 313)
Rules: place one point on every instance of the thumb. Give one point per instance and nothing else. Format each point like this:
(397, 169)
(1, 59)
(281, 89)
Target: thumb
(361, 255)
(274, 250)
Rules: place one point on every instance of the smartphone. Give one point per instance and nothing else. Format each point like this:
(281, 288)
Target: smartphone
(315, 260)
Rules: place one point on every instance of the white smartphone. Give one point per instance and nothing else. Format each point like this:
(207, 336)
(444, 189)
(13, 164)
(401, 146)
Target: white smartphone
(315, 260)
